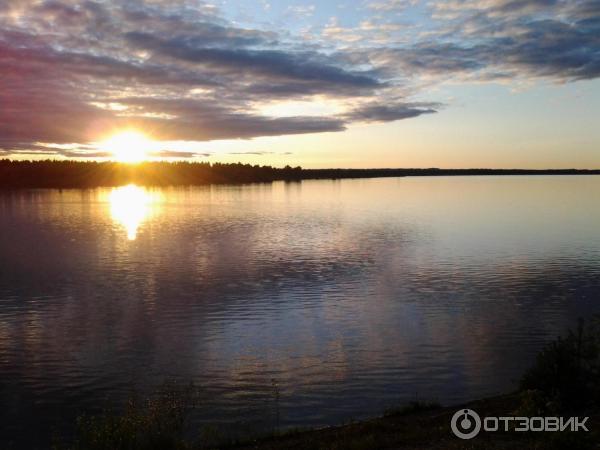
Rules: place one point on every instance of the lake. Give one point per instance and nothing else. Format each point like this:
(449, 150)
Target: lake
(316, 301)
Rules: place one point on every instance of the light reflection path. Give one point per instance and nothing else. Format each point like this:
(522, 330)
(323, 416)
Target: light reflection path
(131, 205)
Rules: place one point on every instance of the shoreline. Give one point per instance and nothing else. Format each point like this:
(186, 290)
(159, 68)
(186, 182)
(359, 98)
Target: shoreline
(428, 428)
(86, 175)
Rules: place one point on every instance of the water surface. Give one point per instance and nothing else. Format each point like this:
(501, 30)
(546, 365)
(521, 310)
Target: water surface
(341, 298)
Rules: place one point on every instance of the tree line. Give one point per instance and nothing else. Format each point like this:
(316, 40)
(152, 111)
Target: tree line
(77, 174)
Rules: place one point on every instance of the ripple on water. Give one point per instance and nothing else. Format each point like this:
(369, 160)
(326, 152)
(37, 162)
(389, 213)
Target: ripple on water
(327, 302)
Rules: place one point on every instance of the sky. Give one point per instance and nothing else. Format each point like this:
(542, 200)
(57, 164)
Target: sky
(365, 83)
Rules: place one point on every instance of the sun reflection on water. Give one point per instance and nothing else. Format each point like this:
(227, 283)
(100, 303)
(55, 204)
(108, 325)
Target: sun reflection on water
(130, 206)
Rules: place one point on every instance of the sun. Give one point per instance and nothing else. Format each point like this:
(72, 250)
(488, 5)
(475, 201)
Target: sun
(129, 146)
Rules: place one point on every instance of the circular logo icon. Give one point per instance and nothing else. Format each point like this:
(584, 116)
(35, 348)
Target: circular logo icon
(466, 424)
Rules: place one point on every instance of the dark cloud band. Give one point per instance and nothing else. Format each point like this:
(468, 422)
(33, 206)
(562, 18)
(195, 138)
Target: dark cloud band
(73, 71)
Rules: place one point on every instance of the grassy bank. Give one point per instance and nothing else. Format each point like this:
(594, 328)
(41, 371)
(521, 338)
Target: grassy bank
(564, 381)
(430, 429)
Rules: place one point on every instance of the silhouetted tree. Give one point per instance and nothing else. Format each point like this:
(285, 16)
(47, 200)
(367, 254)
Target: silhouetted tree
(75, 174)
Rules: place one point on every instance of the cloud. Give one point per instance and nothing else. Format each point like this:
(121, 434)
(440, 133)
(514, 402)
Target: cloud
(391, 5)
(277, 66)
(391, 112)
(260, 153)
(178, 154)
(301, 11)
(65, 64)
(511, 39)
(71, 72)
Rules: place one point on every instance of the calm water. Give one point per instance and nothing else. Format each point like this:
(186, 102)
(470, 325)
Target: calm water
(345, 297)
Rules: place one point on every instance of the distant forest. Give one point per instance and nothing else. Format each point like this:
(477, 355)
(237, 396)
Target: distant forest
(75, 174)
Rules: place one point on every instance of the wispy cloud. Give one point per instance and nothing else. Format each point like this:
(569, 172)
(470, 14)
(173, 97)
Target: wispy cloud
(73, 71)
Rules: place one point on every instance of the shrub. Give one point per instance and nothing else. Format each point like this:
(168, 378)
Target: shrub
(566, 372)
(151, 424)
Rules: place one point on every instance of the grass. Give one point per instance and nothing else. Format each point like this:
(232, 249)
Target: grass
(412, 407)
(564, 380)
(155, 423)
(429, 428)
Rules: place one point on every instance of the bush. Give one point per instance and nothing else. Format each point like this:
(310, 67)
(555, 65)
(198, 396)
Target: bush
(566, 372)
(151, 424)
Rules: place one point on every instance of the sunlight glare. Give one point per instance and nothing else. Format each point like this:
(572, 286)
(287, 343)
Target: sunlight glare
(129, 146)
(131, 205)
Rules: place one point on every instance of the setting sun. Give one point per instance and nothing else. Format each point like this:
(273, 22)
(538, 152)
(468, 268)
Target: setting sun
(129, 146)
